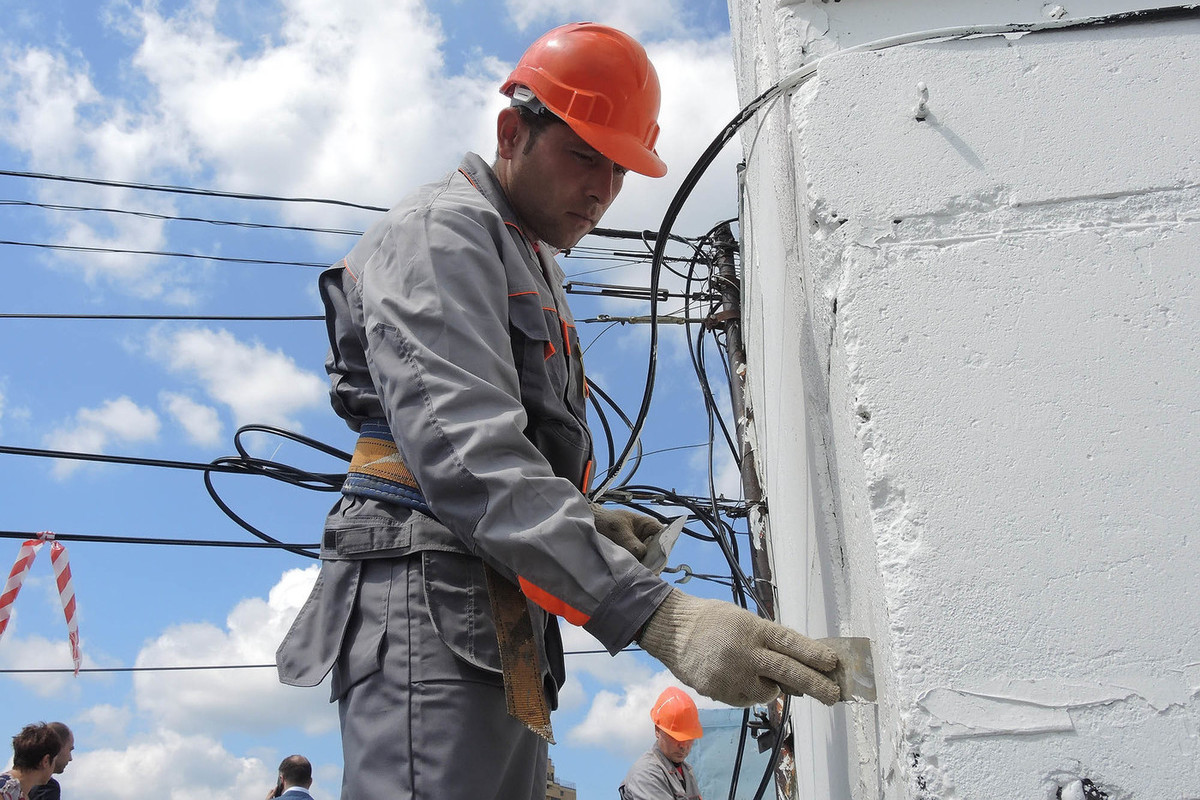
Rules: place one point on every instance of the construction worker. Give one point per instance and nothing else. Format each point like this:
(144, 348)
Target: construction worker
(662, 773)
(454, 356)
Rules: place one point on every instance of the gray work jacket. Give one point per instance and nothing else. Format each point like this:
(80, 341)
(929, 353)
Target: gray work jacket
(450, 323)
(654, 777)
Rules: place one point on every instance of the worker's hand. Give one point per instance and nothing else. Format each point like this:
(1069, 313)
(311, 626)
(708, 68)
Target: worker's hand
(626, 528)
(730, 655)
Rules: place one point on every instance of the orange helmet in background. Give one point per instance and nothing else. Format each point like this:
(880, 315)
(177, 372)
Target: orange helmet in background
(601, 83)
(676, 714)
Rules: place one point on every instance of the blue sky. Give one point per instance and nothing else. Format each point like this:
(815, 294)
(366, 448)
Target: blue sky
(357, 102)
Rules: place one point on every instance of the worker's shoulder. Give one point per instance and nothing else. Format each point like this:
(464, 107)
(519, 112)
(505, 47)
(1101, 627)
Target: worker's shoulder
(456, 194)
(647, 762)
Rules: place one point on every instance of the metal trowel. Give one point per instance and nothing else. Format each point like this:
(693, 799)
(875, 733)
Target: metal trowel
(855, 670)
(658, 546)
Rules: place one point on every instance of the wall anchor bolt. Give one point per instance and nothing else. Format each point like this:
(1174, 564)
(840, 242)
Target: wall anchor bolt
(921, 109)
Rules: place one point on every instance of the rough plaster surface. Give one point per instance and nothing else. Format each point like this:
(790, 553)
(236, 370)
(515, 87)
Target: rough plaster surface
(975, 341)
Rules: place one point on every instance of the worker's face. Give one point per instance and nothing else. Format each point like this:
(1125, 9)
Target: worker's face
(64, 755)
(559, 186)
(674, 749)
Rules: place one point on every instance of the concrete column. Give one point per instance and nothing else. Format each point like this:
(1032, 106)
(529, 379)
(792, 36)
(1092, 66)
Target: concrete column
(973, 341)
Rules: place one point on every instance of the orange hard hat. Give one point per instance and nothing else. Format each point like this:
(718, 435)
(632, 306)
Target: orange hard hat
(676, 714)
(601, 83)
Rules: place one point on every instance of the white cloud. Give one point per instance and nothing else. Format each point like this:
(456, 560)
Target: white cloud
(39, 652)
(327, 105)
(635, 17)
(620, 721)
(200, 422)
(166, 764)
(120, 420)
(50, 109)
(243, 700)
(108, 723)
(258, 384)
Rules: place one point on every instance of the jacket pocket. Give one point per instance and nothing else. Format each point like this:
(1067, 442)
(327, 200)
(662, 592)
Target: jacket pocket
(312, 644)
(362, 652)
(537, 345)
(457, 596)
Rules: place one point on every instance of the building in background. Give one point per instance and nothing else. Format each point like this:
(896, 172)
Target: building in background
(972, 332)
(556, 790)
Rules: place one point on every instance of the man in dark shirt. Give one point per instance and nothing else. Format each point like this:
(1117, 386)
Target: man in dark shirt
(51, 789)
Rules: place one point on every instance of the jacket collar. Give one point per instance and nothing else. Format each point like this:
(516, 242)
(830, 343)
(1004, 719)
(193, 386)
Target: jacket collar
(481, 176)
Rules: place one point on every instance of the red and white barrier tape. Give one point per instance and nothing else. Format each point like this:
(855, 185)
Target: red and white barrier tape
(62, 577)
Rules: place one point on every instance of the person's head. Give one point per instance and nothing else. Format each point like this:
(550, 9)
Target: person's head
(295, 771)
(68, 746)
(676, 724)
(584, 111)
(35, 748)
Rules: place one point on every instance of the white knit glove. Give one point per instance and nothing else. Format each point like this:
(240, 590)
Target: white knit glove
(625, 528)
(726, 653)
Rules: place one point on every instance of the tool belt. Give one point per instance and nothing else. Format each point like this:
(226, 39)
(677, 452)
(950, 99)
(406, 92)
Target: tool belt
(377, 471)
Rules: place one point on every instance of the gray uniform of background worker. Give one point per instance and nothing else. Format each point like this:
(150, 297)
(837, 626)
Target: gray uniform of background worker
(661, 773)
(450, 334)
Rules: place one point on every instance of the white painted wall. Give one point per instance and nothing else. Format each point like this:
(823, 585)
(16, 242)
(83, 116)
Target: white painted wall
(974, 352)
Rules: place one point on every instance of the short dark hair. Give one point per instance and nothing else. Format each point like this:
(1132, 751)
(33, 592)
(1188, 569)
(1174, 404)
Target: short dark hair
(33, 744)
(296, 770)
(537, 122)
(64, 733)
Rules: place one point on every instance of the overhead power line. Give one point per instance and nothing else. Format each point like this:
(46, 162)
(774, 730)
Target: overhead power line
(74, 248)
(172, 317)
(204, 667)
(83, 537)
(177, 218)
(187, 190)
(610, 233)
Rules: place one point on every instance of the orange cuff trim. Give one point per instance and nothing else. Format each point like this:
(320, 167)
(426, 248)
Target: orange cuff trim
(550, 350)
(587, 475)
(552, 603)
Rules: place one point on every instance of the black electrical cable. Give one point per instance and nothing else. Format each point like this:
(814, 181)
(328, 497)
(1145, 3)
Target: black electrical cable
(696, 353)
(177, 218)
(777, 748)
(95, 538)
(68, 455)
(207, 667)
(242, 464)
(72, 248)
(172, 317)
(594, 399)
(186, 190)
(608, 233)
(620, 413)
(741, 751)
(323, 482)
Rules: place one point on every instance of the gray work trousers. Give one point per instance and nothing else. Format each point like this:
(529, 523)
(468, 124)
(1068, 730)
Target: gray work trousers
(418, 721)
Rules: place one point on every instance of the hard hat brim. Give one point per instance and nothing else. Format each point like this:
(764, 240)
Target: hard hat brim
(623, 148)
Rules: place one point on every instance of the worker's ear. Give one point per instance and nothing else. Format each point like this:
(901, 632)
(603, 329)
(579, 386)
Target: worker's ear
(510, 133)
